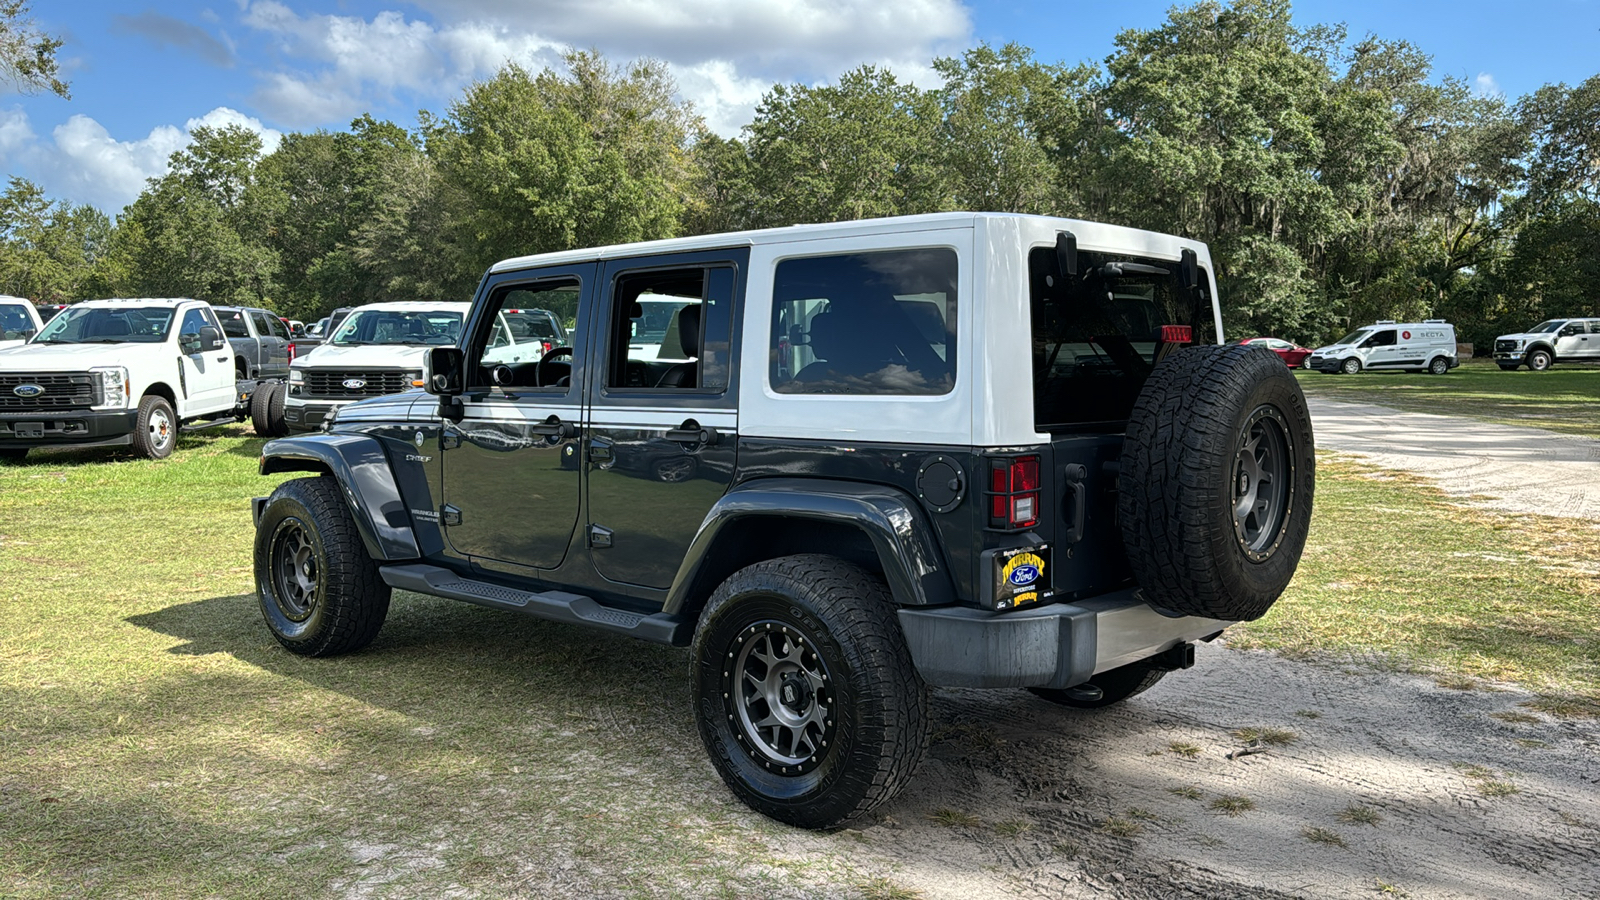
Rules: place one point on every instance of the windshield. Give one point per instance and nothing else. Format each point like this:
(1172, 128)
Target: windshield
(108, 325)
(1351, 338)
(1546, 327)
(15, 323)
(390, 326)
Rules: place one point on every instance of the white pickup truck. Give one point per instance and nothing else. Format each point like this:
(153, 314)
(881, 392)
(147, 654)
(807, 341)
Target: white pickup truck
(118, 372)
(19, 321)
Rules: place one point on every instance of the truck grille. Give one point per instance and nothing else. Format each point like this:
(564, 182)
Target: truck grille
(1504, 346)
(330, 383)
(62, 391)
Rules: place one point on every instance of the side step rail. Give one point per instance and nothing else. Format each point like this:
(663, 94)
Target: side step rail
(556, 606)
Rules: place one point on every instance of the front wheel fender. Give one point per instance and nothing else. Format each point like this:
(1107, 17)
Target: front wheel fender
(366, 481)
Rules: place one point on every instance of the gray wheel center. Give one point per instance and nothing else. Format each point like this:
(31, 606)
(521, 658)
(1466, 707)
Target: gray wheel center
(780, 697)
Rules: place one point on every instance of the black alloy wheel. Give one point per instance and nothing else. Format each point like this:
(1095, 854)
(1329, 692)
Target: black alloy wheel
(1261, 483)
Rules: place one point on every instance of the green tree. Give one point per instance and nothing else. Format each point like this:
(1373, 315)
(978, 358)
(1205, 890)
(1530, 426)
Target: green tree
(28, 55)
(862, 148)
(192, 233)
(48, 249)
(590, 156)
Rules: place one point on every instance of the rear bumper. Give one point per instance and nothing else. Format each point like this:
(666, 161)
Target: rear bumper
(77, 428)
(1057, 645)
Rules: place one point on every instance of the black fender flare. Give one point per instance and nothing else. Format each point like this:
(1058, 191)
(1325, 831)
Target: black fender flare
(894, 523)
(357, 462)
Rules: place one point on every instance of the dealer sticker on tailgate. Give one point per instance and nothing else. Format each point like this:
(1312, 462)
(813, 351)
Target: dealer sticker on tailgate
(1021, 576)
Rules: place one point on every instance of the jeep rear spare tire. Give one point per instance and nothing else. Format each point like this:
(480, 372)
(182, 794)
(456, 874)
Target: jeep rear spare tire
(1216, 482)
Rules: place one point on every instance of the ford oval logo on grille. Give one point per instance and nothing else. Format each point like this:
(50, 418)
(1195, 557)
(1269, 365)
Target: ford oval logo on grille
(354, 384)
(27, 390)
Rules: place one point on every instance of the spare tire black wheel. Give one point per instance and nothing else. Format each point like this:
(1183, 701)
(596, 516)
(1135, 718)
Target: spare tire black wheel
(1216, 482)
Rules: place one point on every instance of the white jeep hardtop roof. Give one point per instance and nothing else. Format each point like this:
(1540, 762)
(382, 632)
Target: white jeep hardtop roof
(830, 230)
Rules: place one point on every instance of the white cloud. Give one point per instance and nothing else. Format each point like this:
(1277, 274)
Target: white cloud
(85, 164)
(724, 53)
(364, 60)
(15, 133)
(1487, 86)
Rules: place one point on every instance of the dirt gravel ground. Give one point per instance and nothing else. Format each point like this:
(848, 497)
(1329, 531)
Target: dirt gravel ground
(1524, 469)
(1379, 785)
(1383, 785)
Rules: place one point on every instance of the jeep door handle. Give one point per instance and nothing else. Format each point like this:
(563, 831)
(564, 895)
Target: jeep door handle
(554, 427)
(692, 432)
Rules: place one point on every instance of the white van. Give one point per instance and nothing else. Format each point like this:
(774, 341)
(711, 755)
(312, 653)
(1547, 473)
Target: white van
(1386, 345)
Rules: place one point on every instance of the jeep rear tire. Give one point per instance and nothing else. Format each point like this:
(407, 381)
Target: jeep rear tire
(1216, 482)
(319, 589)
(266, 410)
(155, 431)
(805, 694)
(1539, 360)
(1115, 686)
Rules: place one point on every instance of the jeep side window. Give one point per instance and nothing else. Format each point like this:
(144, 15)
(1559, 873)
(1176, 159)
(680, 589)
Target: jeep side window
(520, 361)
(865, 323)
(1383, 338)
(659, 327)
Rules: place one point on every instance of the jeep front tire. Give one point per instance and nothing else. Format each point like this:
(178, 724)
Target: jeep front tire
(1216, 481)
(319, 589)
(805, 693)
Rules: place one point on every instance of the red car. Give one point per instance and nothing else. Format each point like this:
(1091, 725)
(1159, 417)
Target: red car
(1293, 354)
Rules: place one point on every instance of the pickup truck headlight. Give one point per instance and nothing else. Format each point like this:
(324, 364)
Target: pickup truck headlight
(297, 376)
(114, 387)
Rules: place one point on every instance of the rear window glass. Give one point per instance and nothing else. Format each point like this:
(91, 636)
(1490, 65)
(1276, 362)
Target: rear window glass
(865, 323)
(233, 323)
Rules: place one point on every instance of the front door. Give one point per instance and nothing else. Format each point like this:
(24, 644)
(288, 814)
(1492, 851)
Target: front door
(511, 465)
(1382, 349)
(663, 414)
(274, 346)
(1570, 340)
(207, 374)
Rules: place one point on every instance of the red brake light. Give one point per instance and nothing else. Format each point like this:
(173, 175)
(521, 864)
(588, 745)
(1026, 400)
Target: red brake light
(1014, 488)
(547, 346)
(1177, 334)
(291, 351)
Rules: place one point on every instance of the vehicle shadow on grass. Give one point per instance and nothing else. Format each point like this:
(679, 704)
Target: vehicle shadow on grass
(73, 457)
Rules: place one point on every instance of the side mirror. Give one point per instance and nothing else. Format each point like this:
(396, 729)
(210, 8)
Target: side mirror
(210, 338)
(189, 343)
(444, 371)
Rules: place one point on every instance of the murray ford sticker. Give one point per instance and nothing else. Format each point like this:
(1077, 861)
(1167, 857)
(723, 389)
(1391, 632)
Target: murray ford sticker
(1020, 576)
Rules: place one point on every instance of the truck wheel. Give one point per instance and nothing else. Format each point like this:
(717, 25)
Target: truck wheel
(805, 693)
(1351, 366)
(155, 432)
(266, 411)
(1116, 686)
(1216, 481)
(319, 589)
(9, 455)
(1439, 366)
(1539, 360)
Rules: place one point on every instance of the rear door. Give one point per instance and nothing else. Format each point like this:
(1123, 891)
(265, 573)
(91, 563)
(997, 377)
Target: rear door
(511, 466)
(663, 416)
(274, 359)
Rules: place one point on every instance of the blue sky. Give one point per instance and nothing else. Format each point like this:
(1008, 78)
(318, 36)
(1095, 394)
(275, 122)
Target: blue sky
(143, 75)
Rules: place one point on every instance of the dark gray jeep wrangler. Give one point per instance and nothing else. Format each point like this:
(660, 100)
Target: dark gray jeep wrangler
(841, 463)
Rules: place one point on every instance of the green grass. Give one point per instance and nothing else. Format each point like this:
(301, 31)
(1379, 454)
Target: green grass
(1395, 573)
(1562, 399)
(155, 741)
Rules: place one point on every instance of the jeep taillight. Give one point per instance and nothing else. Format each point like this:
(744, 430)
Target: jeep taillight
(1014, 492)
